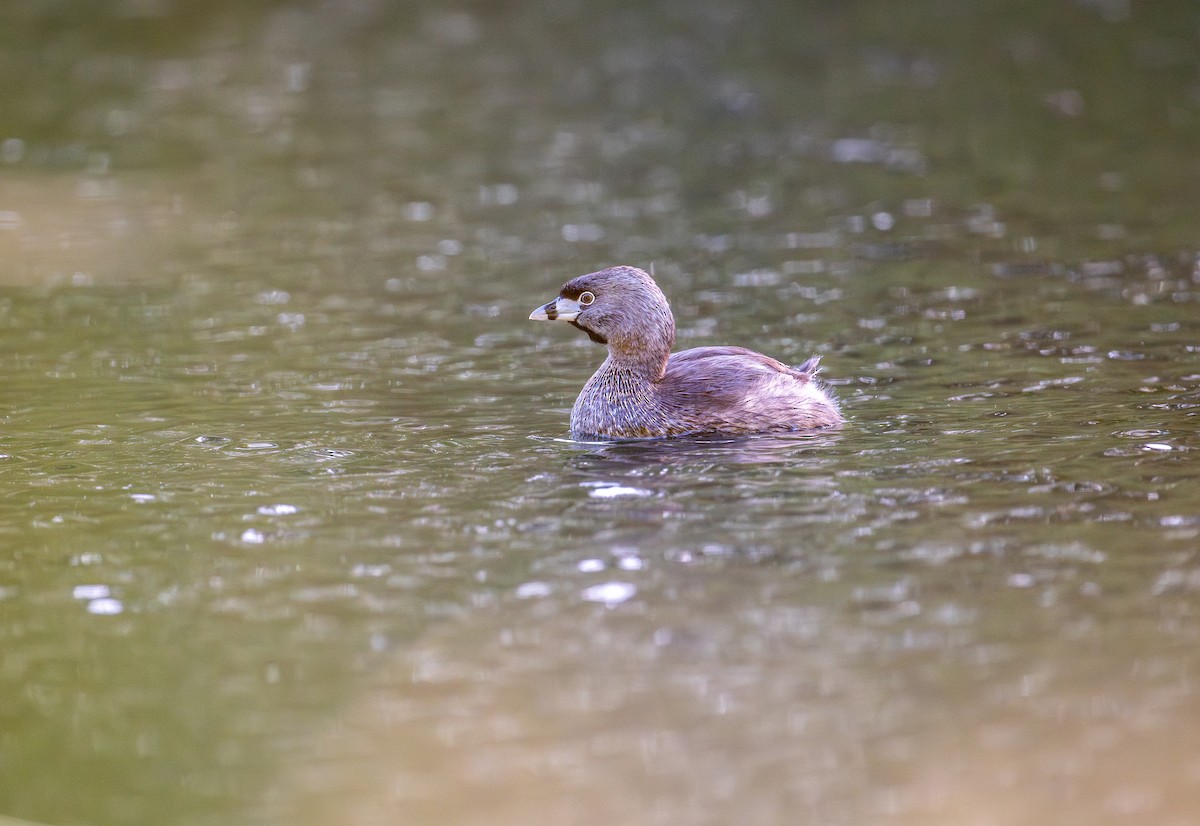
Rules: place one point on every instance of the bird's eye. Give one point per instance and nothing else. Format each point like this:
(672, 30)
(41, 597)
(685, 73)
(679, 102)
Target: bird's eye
(586, 298)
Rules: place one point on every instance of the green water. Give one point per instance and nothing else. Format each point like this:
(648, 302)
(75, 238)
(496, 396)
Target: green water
(290, 528)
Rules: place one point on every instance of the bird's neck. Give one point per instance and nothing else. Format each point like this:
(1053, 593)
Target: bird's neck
(643, 354)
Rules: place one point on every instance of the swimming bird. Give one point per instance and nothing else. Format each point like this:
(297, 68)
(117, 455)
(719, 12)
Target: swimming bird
(643, 390)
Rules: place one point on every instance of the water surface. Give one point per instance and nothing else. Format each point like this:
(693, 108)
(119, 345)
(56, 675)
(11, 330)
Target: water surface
(293, 532)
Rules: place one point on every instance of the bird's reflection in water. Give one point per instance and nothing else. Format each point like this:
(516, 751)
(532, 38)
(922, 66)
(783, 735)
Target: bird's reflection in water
(703, 466)
(701, 455)
(772, 448)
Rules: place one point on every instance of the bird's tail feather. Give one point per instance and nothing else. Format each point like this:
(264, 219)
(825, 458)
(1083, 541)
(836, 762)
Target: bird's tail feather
(811, 367)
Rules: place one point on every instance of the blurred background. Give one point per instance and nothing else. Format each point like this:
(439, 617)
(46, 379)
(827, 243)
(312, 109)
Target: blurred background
(291, 532)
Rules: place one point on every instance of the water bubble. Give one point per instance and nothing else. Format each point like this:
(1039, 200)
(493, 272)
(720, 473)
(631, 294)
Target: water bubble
(273, 297)
(105, 607)
(612, 491)
(610, 593)
(94, 591)
(533, 590)
(589, 566)
(883, 221)
(1045, 384)
(277, 510)
(293, 321)
(363, 570)
(1140, 433)
(253, 536)
(758, 206)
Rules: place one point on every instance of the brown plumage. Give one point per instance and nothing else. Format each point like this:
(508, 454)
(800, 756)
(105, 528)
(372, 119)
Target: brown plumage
(642, 390)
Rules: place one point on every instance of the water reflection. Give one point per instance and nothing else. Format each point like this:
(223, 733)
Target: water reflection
(291, 536)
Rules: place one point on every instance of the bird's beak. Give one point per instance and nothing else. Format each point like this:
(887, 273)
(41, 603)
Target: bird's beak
(560, 309)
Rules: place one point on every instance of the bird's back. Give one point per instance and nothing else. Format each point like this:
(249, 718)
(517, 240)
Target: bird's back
(735, 390)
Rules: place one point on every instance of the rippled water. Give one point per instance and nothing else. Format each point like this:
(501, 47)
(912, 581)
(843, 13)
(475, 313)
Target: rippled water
(293, 532)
